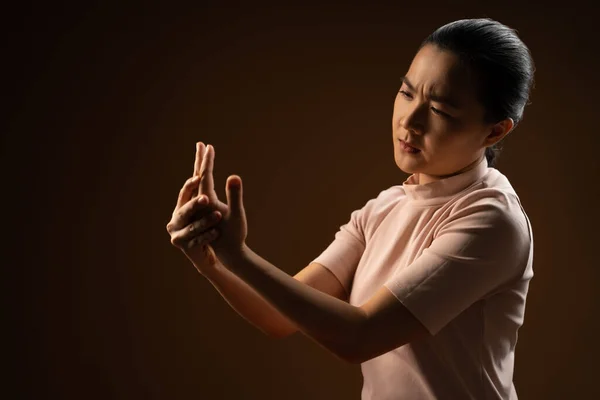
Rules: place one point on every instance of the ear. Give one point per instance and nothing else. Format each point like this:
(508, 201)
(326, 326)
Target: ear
(499, 131)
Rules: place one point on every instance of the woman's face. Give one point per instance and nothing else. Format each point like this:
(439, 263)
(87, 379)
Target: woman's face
(436, 110)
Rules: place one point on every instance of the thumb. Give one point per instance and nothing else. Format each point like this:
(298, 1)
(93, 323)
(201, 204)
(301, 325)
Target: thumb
(233, 188)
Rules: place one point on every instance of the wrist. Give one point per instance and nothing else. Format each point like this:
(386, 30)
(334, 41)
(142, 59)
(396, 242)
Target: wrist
(213, 271)
(205, 261)
(233, 259)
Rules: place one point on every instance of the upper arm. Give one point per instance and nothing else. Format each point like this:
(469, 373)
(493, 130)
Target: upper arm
(480, 250)
(475, 253)
(342, 256)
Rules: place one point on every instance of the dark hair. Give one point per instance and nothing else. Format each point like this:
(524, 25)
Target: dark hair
(501, 61)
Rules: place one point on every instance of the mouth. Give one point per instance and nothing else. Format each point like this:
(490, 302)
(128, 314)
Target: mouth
(408, 148)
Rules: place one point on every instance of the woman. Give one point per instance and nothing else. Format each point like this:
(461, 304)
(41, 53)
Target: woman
(425, 286)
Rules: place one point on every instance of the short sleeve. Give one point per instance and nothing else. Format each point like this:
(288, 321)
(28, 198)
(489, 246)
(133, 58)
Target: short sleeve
(342, 256)
(478, 249)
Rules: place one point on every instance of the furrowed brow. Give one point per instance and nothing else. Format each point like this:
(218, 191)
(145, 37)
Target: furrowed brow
(407, 83)
(437, 98)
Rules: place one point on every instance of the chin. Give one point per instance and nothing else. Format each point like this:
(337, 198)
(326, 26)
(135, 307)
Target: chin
(407, 165)
(408, 171)
(406, 168)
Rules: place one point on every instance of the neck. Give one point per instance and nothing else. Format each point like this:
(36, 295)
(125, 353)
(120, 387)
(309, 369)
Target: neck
(423, 178)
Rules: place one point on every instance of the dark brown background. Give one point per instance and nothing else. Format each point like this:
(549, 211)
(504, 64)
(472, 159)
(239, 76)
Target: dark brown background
(105, 105)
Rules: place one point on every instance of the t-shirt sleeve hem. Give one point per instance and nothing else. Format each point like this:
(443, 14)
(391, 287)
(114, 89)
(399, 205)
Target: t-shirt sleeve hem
(413, 308)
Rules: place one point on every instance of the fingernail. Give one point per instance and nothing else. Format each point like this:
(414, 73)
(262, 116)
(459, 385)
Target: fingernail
(202, 199)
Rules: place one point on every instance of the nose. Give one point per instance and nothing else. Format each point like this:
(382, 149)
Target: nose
(413, 119)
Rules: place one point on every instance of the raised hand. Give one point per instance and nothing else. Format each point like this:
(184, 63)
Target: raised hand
(192, 219)
(232, 229)
(204, 228)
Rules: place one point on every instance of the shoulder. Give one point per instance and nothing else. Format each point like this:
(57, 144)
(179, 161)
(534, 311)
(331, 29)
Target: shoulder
(393, 194)
(384, 201)
(494, 197)
(368, 217)
(494, 210)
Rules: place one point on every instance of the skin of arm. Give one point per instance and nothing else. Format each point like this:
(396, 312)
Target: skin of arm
(353, 334)
(261, 313)
(189, 230)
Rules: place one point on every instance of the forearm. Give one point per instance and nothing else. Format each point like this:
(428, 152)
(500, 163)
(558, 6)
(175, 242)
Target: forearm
(331, 322)
(249, 304)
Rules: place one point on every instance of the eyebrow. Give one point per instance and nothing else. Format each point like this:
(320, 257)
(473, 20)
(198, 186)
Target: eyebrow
(439, 99)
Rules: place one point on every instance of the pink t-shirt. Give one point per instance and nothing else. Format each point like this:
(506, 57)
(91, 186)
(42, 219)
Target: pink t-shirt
(458, 253)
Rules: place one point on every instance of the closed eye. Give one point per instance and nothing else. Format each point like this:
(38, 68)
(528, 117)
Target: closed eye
(438, 112)
(435, 110)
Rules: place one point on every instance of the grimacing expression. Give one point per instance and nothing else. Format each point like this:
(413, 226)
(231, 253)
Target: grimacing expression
(438, 111)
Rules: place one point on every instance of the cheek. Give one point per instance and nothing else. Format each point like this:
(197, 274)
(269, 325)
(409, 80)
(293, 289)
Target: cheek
(442, 141)
(397, 113)
(453, 145)
(395, 110)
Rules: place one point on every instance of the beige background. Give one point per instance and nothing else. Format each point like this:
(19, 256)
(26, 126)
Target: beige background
(106, 104)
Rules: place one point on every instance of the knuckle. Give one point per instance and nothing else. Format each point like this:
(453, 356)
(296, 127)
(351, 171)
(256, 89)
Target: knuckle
(204, 238)
(195, 226)
(200, 202)
(189, 215)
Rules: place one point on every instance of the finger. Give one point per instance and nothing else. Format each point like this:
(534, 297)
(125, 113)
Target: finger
(204, 238)
(234, 191)
(186, 192)
(197, 228)
(199, 155)
(182, 215)
(206, 171)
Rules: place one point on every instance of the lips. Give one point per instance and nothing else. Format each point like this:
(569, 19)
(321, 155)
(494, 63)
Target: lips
(409, 146)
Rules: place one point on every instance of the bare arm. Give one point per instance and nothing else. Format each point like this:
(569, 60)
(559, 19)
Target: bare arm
(190, 230)
(258, 311)
(353, 334)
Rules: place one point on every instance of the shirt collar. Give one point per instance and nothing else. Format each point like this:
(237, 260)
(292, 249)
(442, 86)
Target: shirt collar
(443, 189)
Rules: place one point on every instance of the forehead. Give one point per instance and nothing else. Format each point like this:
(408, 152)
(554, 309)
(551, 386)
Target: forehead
(442, 72)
